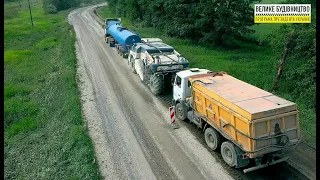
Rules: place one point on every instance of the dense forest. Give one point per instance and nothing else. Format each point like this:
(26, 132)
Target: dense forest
(201, 20)
(228, 23)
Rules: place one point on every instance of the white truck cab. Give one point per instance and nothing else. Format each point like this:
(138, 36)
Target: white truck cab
(182, 90)
(182, 85)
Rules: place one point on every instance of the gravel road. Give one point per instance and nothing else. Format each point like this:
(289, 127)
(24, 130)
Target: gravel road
(129, 126)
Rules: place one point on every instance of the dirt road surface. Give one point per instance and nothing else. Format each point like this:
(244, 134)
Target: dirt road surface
(130, 127)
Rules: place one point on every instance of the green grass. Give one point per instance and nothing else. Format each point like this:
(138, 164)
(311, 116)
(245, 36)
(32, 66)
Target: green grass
(256, 65)
(44, 133)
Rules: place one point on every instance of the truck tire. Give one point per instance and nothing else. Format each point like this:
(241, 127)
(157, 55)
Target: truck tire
(156, 84)
(213, 138)
(180, 112)
(146, 73)
(231, 154)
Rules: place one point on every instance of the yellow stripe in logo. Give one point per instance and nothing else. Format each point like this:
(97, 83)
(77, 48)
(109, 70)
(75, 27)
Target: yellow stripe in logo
(282, 19)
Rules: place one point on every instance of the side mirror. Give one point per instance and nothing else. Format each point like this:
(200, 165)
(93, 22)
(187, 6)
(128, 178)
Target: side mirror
(173, 78)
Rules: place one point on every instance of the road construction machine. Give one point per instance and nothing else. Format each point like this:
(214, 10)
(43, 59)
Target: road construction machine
(156, 63)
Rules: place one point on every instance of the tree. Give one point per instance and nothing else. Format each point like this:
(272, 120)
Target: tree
(299, 75)
(224, 20)
(180, 16)
(218, 21)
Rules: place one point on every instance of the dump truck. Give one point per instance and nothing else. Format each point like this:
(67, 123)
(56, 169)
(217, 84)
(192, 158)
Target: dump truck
(244, 122)
(156, 63)
(120, 37)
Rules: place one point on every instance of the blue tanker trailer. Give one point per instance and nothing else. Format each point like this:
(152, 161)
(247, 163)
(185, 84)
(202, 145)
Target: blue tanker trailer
(108, 22)
(120, 37)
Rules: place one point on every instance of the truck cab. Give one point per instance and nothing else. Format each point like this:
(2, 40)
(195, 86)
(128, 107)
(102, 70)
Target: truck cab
(111, 21)
(182, 85)
(182, 90)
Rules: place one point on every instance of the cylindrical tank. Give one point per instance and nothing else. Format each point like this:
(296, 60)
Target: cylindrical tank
(123, 36)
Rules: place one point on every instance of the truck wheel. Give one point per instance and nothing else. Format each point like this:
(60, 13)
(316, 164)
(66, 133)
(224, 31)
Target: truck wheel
(156, 84)
(213, 138)
(107, 40)
(231, 154)
(179, 111)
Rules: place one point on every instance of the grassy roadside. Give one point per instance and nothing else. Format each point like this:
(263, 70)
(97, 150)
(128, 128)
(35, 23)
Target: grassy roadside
(256, 65)
(44, 133)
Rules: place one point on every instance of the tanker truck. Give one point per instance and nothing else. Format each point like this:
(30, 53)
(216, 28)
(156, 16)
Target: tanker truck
(108, 22)
(246, 123)
(156, 63)
(120, 37)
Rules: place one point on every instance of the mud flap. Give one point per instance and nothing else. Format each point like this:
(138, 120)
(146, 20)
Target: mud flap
(265, 165)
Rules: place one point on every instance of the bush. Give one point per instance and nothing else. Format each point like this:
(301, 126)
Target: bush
(51, 9)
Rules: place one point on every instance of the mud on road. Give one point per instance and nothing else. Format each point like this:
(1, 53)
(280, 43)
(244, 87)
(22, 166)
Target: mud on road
(130, 127)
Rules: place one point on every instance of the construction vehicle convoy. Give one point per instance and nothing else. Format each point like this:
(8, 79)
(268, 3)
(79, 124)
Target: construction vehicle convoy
(244, 122)
(154, 61)
(241, 120)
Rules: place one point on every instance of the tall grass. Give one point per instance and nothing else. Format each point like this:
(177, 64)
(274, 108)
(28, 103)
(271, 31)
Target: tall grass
(44, 133)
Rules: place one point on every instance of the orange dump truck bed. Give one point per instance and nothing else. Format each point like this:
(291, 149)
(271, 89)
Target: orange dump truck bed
(248, 115)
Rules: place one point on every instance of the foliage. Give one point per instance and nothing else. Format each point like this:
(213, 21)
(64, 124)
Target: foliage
(218, 21)
(299, 76)
(223, 21)
(51, 9)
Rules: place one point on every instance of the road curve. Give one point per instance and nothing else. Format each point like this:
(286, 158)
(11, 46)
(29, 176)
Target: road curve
(129, 126)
